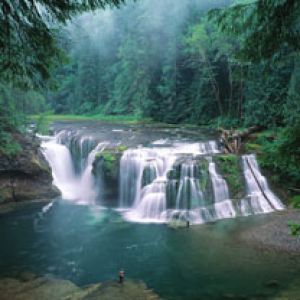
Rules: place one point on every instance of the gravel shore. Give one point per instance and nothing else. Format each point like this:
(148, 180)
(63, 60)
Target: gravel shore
(274, 233)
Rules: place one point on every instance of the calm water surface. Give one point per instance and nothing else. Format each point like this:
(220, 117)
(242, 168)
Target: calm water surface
(88, 244)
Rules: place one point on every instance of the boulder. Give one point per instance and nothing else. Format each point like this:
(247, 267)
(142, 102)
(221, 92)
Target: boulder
(27, 175)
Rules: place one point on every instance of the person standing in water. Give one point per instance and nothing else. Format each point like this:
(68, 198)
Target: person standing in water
(121, 276)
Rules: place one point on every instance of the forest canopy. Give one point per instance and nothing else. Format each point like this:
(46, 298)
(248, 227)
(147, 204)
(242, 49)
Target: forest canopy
(28, 35)
(218, 62)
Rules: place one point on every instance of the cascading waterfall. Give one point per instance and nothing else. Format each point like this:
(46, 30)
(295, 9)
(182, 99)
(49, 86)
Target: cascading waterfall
(160, 183)
(79, 146)
(73, 186)
(88, 188)
(223, 205)
(147, 200)
(60, 160)
(143, 180)
(259, 199)
(189, 192)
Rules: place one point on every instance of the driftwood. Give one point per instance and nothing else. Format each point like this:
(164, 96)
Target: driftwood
(232, 139)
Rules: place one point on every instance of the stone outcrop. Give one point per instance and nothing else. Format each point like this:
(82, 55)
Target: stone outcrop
(106, 171)
(50, 288)
(26, 176)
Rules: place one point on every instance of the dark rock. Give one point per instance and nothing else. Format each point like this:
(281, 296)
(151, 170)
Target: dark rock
(273, 284)
(106, 171)
(26, 176)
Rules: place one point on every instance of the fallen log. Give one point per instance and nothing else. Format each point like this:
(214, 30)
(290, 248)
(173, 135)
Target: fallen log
(232, 139)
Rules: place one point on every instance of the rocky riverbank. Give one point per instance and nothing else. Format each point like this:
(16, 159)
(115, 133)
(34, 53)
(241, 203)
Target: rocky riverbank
(274, 233)
(29, 286)
(25, 176)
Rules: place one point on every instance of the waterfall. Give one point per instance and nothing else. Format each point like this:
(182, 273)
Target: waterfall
(79, 146)
(162, 182)
(78, 187)
(223, 205)
(259, 199)
(148, 200)
(143, 182)
(87, 187)
(60, 160)
(189, 192)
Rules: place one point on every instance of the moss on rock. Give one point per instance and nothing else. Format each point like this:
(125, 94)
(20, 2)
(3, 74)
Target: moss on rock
(106, 170)
(204, 175)
(230, 169)
(110, 164)
(252, 147)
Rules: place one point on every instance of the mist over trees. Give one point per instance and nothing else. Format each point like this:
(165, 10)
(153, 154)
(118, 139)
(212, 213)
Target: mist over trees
(167, 60)
(219, 62)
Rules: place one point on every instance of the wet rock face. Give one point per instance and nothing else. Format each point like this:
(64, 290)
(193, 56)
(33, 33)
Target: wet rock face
(26, 176)
(106, 171)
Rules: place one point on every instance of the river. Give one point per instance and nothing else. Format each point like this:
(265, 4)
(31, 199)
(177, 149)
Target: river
(87, 236)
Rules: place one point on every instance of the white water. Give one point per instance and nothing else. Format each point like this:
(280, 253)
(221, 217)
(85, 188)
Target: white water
(80, 188)
(149, 193)
(147, 201)
(60, 160)
(189, 192)
(223, 206)
(256, 201)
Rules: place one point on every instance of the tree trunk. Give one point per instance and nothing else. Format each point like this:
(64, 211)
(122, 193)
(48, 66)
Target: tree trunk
(231, 88)
(232, 139)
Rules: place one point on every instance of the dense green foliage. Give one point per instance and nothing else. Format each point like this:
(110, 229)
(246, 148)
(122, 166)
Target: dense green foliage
(145, 63)
(171, 61)
(269, 28)
(279, 151)
(27, 38)
(30, 49)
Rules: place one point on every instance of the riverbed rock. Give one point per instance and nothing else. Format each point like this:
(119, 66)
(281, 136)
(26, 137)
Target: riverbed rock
(39, 288)
(106, 171)
(26, 176)
(48, 288)
(292, 292)
(274, 284)
(273, 232)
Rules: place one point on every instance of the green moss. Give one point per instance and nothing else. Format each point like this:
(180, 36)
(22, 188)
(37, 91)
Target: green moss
(121, 148)
(109, 156)
(251, 147)
(294, 228)
(230, 170)
(110, 163)
(174, 174)
(295, 201)
(204, 178)
(41, 166)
